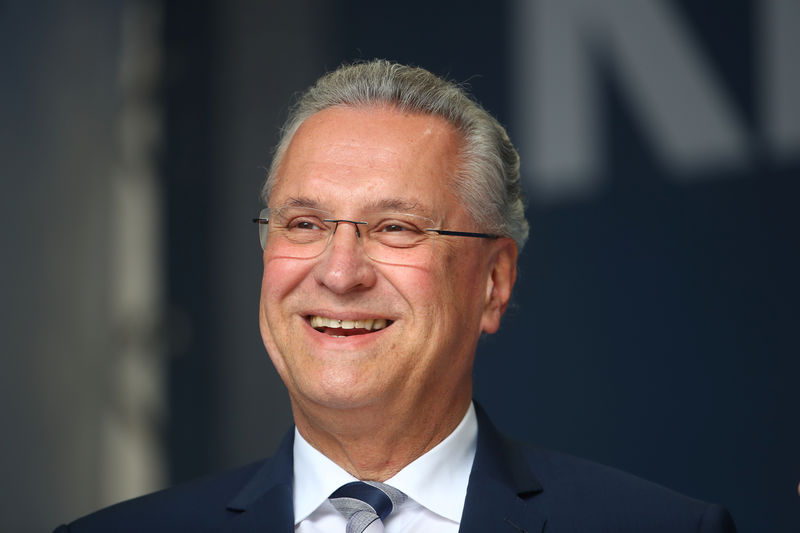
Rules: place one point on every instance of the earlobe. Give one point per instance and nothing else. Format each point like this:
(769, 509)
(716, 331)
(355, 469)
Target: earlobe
(499, 285)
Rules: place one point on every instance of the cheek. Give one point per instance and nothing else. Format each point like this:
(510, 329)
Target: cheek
(420, 288)
(465, 284)
(278, 283)
(281, 276)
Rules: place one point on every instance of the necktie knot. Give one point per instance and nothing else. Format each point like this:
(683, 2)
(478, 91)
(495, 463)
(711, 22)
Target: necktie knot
(363, 502)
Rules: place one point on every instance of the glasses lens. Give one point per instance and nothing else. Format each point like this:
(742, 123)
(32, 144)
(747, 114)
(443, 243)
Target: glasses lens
(399, 239)
(296, 231)
(304, 233)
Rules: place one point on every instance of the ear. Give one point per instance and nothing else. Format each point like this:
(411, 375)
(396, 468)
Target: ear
(500, 282)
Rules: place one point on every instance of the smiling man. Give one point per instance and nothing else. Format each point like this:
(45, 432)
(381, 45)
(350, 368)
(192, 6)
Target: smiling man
(384, 174)
(393, 222)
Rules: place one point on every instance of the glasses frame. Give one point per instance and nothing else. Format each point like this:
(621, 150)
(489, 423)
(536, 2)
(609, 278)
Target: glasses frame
(263, 220)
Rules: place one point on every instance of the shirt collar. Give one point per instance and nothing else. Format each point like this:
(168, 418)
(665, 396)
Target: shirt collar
(315, 478)
(437, 480)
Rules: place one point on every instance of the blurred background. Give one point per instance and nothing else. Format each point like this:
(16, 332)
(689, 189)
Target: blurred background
(655, 323)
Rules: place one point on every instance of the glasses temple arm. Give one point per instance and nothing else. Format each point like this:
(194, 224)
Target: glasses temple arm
(464, 234)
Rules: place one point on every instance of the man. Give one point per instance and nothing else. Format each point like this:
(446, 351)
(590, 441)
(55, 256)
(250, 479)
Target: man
(390, 242)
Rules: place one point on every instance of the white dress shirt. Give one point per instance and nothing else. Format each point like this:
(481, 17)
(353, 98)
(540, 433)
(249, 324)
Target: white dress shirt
(436, 486)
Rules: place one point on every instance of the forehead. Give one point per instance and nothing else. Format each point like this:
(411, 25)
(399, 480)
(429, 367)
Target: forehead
(370, 155)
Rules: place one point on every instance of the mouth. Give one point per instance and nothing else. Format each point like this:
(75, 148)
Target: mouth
(347, 328)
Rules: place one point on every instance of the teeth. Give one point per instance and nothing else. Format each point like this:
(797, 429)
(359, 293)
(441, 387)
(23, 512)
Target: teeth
(373, 324)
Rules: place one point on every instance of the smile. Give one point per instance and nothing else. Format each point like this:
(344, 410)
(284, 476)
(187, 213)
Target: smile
(345, 328)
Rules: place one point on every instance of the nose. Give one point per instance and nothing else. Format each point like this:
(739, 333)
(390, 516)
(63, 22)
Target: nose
(344, 266)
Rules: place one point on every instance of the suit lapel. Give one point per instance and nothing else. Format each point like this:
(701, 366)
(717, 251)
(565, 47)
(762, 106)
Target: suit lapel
(266, 504)
(500, 485)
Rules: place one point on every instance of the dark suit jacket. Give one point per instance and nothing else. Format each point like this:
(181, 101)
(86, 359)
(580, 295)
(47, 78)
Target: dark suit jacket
(512, 489)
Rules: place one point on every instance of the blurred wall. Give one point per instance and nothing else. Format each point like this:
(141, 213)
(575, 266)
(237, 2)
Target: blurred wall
(653, 326)
(70, 421)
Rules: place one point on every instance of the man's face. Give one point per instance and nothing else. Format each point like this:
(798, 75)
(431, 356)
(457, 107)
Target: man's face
(342, 160)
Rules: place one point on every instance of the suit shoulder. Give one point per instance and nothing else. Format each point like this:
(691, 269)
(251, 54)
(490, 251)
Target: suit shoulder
(611, 496)
(194, 506)
(555, 468)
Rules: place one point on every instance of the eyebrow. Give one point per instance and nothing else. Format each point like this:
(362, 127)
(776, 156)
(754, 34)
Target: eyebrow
(302, 201)
(399, 205)
(390, 204)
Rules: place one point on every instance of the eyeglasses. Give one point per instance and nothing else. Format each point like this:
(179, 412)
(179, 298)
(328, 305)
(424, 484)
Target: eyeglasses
(393, 238)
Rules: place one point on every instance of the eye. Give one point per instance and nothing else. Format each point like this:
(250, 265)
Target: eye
(396, 225)
(392, 228)
(307, 223)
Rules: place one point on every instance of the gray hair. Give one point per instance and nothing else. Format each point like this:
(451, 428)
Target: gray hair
(488, 182)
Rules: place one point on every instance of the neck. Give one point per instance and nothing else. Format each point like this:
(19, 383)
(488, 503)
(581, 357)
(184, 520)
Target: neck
(374, 443)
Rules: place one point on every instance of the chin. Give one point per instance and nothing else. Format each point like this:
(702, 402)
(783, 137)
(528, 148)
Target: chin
(343, 392)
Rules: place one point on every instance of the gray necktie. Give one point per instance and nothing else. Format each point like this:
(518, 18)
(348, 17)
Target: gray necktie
(363, 502)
